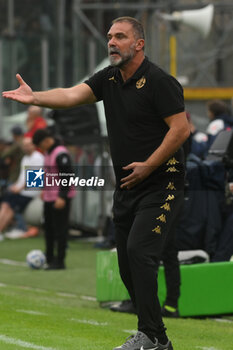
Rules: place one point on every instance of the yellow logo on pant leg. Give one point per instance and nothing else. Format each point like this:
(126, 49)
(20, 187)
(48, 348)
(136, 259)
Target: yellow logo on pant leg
(172, 161)
(170, 186)
(166, 207)
(170, 197)
(157, 229)
(162, 218)
(172, 169)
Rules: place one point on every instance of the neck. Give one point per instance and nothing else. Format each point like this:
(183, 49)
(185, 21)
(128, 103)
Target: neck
(130, 68)
(51, 144)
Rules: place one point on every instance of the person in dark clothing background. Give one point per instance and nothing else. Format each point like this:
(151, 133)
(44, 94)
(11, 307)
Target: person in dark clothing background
(56, 199)
(13, 154)
(220, 119)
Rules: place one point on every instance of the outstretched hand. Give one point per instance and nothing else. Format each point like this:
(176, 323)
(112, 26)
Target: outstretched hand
(23, 94)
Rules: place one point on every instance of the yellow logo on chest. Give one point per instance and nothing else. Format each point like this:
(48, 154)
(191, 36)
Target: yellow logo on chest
(113, 79)
(140, 83)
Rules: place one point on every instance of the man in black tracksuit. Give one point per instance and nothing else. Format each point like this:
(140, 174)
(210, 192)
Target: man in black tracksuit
(147, 125)
(136, 112)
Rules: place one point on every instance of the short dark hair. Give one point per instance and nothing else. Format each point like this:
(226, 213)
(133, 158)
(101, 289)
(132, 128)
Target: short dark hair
(17, 130)
(137, 26)
(218, 107)
(40, 135)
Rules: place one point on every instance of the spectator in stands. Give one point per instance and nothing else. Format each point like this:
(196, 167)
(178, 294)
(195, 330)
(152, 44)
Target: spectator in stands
(196, 140)
(3, 167)
(17, 197)
(224, 246)
(3, 145)
(13, 155)
(34, 121)
(220, 119)
(11, 162)
(57, 199)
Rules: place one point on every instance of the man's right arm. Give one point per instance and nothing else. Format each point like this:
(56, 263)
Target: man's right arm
(55, 98)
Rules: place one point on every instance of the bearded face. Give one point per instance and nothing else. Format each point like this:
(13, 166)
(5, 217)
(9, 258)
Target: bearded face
(118, 57)
(121, 44)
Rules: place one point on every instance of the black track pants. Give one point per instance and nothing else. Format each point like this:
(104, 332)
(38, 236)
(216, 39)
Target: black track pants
(144, 227)
(56, 231)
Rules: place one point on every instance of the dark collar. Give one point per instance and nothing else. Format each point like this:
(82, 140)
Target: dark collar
(141, 70)
(137, 75)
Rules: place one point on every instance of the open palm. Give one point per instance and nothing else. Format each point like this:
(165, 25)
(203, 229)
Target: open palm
(23, 94)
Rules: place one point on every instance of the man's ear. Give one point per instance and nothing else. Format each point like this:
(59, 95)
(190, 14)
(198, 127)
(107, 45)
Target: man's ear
(140, 44)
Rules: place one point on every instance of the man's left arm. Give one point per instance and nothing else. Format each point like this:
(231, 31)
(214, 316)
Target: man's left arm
(179, 131)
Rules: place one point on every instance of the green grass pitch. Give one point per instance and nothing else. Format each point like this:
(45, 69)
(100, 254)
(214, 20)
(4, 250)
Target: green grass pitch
(57, 310)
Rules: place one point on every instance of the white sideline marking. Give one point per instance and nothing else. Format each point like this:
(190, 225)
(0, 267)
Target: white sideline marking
(8, 340)
(86, 297)
(206, 348)
(68, 295)
(12, 262)
(32, 312)
(32, 289)
(223, 320)
(92, 322)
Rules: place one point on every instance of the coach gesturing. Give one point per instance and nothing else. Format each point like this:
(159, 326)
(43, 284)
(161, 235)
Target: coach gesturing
(147, 126)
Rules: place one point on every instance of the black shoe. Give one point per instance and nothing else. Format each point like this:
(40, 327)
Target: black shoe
(169, 313)
(54, 266)
(124, 306)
